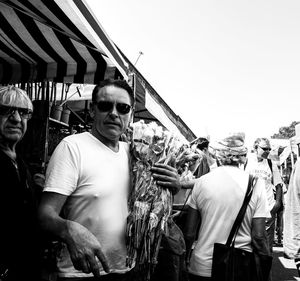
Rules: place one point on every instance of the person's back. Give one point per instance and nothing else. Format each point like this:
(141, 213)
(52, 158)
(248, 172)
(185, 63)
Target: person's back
(218, 196)
(215, 202)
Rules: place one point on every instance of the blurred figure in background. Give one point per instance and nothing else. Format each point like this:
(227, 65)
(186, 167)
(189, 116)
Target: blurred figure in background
(291, 218)
(264, 168)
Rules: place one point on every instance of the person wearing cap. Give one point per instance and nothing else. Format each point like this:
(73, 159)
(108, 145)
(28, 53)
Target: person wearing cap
(214, 204)
(85, 200)
(265, 169)
(20, 250)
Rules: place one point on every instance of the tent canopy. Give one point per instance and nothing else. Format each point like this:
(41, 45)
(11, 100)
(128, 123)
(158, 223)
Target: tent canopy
(62, 41)
(53, 40)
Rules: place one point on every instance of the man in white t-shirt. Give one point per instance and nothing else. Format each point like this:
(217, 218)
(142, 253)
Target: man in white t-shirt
(84, 203)
(263, 168)
(215, 202)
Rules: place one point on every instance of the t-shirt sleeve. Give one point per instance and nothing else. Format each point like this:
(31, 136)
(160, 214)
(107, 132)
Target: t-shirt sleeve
(62, 171)
(192, 201)
(260, 194)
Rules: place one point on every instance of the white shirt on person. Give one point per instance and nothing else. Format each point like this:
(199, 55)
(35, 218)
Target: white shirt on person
(261, 169)
(96, 181)
(218, 196)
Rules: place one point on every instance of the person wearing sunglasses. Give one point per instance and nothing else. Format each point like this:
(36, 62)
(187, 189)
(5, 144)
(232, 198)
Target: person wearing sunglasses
(84, 202)
(261, 166)
(19, 239)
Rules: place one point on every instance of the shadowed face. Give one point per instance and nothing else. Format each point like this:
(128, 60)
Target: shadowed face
(13, 122)
(263, 150)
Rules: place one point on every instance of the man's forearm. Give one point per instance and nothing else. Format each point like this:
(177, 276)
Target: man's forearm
(55, 225)
(187, 184)
(279, 193)
(278, 199)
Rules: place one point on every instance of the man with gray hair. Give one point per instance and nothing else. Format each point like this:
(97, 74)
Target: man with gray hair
(19, 251)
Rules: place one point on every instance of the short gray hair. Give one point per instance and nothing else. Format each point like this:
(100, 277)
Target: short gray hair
(15, 97)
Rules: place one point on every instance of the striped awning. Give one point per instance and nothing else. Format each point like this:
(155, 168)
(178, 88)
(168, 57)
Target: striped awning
(62, 41)
(55, 40)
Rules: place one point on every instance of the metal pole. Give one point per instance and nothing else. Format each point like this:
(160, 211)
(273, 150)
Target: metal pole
(140, 53)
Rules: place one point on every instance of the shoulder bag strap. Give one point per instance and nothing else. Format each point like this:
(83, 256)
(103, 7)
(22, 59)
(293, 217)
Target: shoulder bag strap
(241, 214)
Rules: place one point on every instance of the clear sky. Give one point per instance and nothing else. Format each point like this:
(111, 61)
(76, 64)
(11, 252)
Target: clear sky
(222, 66)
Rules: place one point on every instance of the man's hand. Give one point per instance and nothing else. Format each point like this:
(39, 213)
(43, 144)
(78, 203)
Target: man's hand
(85, 250)
(167, 177)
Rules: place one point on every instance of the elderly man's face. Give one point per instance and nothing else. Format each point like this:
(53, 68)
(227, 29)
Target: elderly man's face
(13, 126)
(111, 114)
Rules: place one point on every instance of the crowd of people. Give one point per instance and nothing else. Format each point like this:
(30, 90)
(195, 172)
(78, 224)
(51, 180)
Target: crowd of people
(84, 203)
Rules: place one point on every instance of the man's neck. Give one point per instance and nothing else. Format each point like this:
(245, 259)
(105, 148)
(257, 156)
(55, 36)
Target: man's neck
(9, 150)
(111, 144)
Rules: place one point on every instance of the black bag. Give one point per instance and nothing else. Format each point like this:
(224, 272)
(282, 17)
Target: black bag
(233, 264)
(171, 255)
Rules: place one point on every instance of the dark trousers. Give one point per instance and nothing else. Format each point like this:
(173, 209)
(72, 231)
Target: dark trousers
(193, 277)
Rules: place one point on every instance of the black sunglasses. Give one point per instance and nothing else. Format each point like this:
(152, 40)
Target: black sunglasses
(266, 148)
(105, 106)
(24, 113)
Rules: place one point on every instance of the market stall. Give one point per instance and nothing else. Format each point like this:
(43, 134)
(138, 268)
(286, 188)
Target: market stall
(50, 48)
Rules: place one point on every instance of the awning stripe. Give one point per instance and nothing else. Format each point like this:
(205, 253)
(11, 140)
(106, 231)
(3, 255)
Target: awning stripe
(91, 19)
(38, 37)
(26, 70)
(68, 26)
(76, 57)
(11, 28)
(31, 52)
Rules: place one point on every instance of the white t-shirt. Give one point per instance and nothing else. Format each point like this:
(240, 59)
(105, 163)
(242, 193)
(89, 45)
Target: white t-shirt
(96, 181)
(262, 170)
(291, 216)
(218, 196)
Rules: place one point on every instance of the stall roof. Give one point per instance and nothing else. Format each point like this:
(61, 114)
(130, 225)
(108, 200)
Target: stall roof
(54, 40)
(62, 41)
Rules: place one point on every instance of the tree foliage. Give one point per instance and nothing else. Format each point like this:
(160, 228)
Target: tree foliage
(286, 132)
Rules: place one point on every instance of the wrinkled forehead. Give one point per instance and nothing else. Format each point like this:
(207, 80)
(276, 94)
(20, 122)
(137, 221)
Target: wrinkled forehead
(113, 92)
(15, 98)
